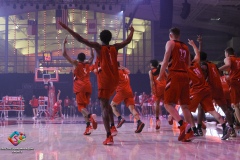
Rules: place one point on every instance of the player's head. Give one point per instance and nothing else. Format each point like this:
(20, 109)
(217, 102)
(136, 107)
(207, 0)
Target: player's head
(155, 64)
(33, 96)
(203, 56)
(105, 36)
(81, 57)
(174, 33)
(229, 51)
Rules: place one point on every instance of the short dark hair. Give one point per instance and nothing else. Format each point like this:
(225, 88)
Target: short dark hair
(229, 50)
(203, 56)
(175, 31)
(105, 36)
(154, 63)
(81, 57)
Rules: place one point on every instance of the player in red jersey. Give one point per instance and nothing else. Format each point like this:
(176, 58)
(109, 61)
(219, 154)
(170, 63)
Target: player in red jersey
(57, 108)
(108, 77)
(34, 103)
(177, 59)
(232, 63)
(200, 93)
(225, 84)
(157, 88)
(212, 76)
(124, 93)
(81, 85)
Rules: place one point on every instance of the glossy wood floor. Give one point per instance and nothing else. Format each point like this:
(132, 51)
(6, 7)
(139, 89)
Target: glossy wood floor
(64, 140)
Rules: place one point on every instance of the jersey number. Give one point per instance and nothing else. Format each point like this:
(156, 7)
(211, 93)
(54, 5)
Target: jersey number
(197, 72)
(182, 54)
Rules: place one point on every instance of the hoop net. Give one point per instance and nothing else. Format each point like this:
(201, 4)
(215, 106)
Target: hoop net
(46, 80)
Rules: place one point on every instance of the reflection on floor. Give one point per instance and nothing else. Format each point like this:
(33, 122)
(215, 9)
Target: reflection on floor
(64, 140)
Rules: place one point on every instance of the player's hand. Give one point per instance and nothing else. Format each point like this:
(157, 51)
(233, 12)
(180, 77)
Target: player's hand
(131, 28)
(191, 42)
(199, 38)
(59, 91)
(63, 25)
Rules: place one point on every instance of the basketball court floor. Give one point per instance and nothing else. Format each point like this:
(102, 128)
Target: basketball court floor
(64, 140)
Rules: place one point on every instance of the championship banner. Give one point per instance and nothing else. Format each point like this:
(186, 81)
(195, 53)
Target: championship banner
(92, 26)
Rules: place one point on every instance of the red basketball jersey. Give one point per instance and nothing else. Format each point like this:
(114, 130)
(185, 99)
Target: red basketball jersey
(108, 77)
(235, 68)
(82, 78)
(179, 58)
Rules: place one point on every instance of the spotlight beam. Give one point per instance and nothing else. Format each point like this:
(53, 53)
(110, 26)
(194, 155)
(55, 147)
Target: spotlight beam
(132, 15)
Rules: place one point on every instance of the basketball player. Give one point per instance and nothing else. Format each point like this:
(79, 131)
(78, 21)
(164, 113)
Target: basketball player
(177, 59)
(96, 68)
(200, 93)
(212, 76)
(34, 103)
(226, 90)
(124, 93)
(232, 63)
(108, 77)
(57, 108)
(66, 107)
(157, 88)
(81, 85)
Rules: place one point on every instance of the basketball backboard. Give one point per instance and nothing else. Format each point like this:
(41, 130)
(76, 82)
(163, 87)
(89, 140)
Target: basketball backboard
(44, 74)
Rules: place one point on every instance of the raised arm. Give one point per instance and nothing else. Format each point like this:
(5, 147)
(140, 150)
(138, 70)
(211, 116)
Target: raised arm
(199, 39)
(196, 51)
(58, 95)
(90, 60)
(80, 39)
(65, 55)
(127, 41)
(227, 65)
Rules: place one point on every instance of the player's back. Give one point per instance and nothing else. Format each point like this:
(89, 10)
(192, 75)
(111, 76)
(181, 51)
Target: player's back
(82, 78)
(179, 58)
(124, 81)
(197, 80)
(157, 82)
(108, 76)
(82, 72)
(225, 86)
(235, 68)
(213, 77)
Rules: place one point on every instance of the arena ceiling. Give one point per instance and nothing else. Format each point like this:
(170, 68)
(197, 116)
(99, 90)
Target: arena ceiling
(218, 15)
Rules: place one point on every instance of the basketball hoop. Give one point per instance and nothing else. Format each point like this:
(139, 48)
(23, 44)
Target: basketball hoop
(46, 75)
